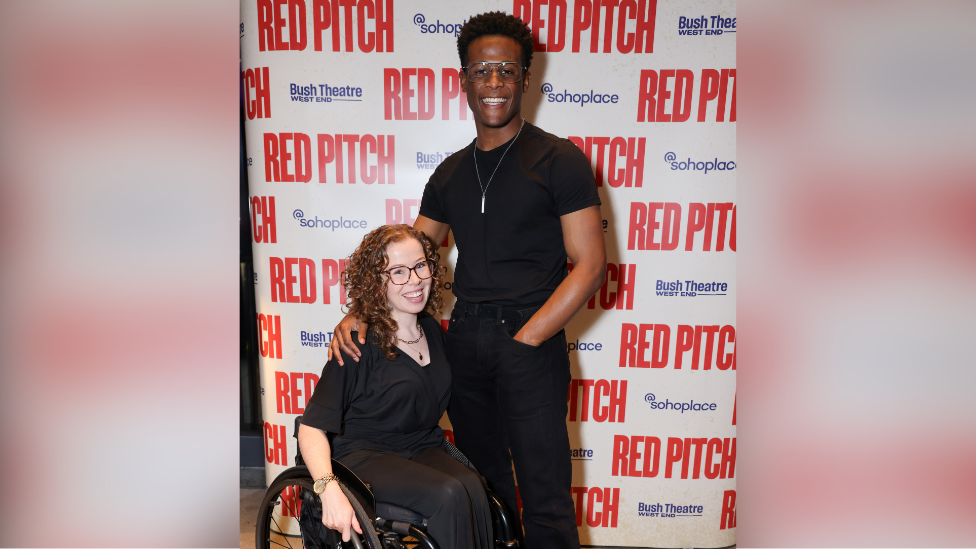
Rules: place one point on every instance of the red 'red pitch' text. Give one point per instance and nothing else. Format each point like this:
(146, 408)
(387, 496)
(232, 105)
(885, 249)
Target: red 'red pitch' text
(287, 272)
(288, 391)
(616, 405)
(264, 231)
(642, 230)
(639, 456)
(257, 79)
(291, 502)
(630, 148)
(288, 157)
(653, 95)
(275, 444)
(606, 516)
(403, 211)
(587, 16)
(634, 344)
(401, 87)
(728, 510)
(269, 334)
(623, 276)
(272, 22)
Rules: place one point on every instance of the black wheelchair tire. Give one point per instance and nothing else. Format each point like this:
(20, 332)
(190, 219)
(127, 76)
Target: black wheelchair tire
(300, 479)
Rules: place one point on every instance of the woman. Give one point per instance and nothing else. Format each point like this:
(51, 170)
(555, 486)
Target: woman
(385, 408)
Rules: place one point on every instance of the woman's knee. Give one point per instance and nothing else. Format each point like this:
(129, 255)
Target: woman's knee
(471, 481)
(451, 491)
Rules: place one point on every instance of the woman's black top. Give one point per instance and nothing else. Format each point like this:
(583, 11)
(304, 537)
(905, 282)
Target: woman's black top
(382, 405)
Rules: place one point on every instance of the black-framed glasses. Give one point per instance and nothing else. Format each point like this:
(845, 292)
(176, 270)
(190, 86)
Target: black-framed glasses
(401, 275)
(480, 72)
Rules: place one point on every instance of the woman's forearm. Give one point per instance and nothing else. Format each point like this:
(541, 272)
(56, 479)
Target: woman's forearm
(337, 514)
(315, 451)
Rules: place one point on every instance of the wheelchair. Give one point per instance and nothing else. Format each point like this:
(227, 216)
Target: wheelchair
(291, 514)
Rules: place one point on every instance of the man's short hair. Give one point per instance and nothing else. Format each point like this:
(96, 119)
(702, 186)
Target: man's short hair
(495, 23)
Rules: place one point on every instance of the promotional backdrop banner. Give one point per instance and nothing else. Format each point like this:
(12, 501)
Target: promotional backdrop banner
(351, 105)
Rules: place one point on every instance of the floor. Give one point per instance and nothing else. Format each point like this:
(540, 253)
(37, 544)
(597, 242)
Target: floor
(252, 492)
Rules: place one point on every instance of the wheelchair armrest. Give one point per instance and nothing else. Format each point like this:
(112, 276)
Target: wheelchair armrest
(357, 487)
(298, 449)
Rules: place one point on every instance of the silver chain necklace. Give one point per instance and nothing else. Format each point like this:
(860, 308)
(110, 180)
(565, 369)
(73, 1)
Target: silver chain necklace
(477, 171)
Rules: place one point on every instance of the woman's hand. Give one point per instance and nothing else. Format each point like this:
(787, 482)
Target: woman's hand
(337, 513)
(342, 338)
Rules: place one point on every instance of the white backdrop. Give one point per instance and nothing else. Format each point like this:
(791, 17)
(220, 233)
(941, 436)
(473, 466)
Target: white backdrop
(350, 108)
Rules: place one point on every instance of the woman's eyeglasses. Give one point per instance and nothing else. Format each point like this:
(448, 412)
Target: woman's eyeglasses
(401, 275)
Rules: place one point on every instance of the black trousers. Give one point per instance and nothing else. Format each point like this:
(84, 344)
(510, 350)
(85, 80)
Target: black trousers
(436, 485)
(508, 403)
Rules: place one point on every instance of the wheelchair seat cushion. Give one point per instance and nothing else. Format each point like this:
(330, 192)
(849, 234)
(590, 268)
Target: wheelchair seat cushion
(396, 513)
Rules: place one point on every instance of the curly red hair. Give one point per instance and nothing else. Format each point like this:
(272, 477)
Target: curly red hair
(365, 281)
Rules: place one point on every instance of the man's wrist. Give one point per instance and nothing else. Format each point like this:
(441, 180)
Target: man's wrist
(528, 339)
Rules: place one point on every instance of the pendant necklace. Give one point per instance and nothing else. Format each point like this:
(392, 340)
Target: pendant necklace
(416, 340)
(477, 171)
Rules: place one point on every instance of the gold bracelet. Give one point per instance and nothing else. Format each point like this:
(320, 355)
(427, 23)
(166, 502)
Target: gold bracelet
(321, 483)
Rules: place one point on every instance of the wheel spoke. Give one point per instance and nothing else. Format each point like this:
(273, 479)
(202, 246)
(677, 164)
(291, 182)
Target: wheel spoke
(281, 518)
(281, 531)
(291, 509)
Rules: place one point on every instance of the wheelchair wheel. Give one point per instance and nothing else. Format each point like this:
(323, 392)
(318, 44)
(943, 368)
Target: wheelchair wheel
(280, 519)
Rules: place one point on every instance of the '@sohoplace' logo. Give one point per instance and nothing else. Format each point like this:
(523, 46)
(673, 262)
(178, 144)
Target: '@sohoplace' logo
(579, 98)
(682, 407)
(341, 223)
(701, 166)
(437, 27)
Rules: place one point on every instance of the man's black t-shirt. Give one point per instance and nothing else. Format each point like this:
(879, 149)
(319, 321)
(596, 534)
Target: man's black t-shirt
(513, 253)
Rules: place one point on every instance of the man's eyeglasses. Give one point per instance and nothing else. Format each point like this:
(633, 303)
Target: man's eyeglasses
(401, 275)
(481, 72)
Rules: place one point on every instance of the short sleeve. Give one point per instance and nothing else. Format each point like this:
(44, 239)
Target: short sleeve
(571, 179)
(333, 393)
(430, 205)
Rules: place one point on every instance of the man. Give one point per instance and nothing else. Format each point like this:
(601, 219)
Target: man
(519, 201)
